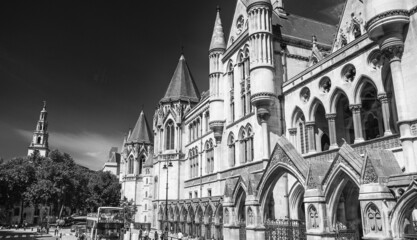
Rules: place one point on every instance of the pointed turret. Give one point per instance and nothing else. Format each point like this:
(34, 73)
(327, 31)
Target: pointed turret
(217, 48)
(141, 132)
(182, 85)
(40, 135)
(217, 39)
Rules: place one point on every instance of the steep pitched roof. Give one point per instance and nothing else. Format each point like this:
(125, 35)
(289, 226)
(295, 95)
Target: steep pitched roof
(141, 133)
(182, 85)
(304, 28)
(217, 39)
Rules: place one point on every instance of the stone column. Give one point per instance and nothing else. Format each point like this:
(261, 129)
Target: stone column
(311, 137)
(331, 118)
(265, 138)
(393, 54)
(357, 122)
(293, 136)
(385, 101)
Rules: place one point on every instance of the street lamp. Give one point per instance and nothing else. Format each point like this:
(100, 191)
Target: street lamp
(166, 167)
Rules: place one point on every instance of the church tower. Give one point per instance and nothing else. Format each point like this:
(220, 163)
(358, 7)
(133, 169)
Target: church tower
(40, 135)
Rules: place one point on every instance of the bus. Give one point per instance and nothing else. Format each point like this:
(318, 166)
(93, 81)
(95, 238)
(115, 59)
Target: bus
(106, 224)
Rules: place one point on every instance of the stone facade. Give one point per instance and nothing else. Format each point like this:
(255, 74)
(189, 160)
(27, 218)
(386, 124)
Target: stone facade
(306, 126)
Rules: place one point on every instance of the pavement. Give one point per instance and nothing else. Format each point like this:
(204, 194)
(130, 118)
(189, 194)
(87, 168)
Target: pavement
(28, 234)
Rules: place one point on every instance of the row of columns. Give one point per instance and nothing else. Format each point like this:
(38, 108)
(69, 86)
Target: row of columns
(357, 123)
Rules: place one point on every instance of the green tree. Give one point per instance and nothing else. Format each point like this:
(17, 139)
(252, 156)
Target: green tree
(129, 211)
(103, 190)
(16, 177)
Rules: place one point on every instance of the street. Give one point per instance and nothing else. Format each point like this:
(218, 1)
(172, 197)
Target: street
(29, 235)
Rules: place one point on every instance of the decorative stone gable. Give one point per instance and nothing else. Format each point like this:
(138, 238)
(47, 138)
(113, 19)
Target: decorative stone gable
(349, 159)
(369, 174)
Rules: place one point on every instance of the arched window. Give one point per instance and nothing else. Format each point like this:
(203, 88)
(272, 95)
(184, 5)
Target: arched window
(207, 118)
(243, 146)
(169, 135)
(146, 206)
(131, 163)
(146, 194)
(209, 157)
(249, 144)
(38, 141)
(231, 144)
(243, 75)
(193, 157)
(142, 160)
(232, 91)
(144, 218)
(303, 137)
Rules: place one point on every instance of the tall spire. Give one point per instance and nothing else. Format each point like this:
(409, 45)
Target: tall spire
(141, 132)
(217, 39)
(40, 135)
(182, 85)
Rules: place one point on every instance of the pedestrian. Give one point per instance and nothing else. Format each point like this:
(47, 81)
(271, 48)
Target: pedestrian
(140, 234)
(60, 236)
(156, 235)
(180, 235)
(145, 234)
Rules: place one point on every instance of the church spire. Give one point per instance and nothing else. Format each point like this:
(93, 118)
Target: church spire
(182, 86)
(217, 39)
(40, 135)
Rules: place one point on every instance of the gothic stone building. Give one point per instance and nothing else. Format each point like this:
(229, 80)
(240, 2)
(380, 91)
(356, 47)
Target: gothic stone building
(308, 130)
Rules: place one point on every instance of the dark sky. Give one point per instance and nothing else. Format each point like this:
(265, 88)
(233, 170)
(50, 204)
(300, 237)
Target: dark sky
(97, 62)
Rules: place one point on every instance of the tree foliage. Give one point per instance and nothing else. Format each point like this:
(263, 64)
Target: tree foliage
(129, 211)
(56, 181)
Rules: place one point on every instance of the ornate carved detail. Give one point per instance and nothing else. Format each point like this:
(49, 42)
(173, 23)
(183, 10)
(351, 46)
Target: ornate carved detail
(369, 176)
(305, 94)
(331, 116)
(281, 157)
(386, 14)
(355, 108)
(384, 97)
(292, 131)
(311, 183)
(374, 219)
(298, 57)
(393, 53)
(313, 217)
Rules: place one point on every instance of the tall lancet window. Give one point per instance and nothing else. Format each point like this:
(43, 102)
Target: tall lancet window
(247, 81)
(142, 162)
(232, 90)
(169, 135)
(232, 153)
(130, 165)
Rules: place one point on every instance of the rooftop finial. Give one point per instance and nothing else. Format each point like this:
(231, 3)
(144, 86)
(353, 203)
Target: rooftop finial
(44, 104)
(218, 8)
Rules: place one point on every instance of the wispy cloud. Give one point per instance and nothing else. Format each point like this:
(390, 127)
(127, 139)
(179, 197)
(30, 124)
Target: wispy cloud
(87, 148)
(334, 10)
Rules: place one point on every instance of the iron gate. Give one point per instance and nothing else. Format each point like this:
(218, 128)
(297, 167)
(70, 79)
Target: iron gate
(242, 230)
(347, 235)
(285, 229)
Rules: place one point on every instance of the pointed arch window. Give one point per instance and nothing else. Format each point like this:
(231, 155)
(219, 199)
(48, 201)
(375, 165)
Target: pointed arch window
(209, 157)
(249, 143)
(232, 152)
(169, 135)
(303, 138)
(131, 163)
(38, 141)
(232, 91)
(243, 146)
(141, 163)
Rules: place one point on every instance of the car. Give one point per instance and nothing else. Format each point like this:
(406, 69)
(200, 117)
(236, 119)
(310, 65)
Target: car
(77, 225)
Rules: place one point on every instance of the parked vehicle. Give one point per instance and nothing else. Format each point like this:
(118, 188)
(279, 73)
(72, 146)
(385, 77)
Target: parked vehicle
(74, 227)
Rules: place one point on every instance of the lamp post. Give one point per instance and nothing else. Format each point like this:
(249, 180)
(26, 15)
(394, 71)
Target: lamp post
(167, 165)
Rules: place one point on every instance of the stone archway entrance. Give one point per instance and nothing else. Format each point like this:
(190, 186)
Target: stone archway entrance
(284, 216)
(346, 214)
